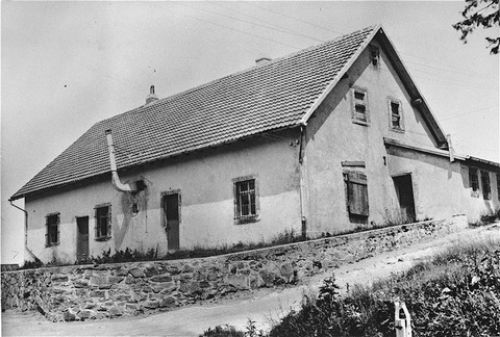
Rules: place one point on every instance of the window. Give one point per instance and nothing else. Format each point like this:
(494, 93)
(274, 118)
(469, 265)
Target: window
(52, 236)
(356, 193)
(374, 55)
(103, 222)
(485, 184)
(360, 106)
(498, 186)
(396, 115)
(245, 199)
(474, 182)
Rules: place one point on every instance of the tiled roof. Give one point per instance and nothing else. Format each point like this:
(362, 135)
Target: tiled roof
(256, 100)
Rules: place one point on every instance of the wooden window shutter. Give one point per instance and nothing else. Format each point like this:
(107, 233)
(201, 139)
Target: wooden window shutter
(357, 193)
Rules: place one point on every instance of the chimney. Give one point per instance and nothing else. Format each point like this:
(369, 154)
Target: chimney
(151, 97)
(262, 61)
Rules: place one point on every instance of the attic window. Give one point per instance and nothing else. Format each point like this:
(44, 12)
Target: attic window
(395, 115)
(360, 106)
(374, 55)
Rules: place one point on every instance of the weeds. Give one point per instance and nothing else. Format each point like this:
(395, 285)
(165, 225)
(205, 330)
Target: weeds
(455, 294)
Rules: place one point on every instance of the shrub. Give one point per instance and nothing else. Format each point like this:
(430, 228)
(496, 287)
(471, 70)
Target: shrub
(457, 294)
(222, 331)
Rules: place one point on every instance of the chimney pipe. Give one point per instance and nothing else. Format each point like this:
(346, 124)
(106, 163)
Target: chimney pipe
(151, 97)
(262, 61)
(115, 179)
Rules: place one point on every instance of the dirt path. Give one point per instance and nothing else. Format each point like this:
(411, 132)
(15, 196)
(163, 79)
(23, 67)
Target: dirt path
(263, 306)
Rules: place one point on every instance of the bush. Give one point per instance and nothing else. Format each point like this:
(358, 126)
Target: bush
(457, 294)
(222, 331)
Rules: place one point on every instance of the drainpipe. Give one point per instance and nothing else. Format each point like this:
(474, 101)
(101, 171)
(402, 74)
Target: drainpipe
(301, 183)
(451, 151)
(25, 231)
(115, 179)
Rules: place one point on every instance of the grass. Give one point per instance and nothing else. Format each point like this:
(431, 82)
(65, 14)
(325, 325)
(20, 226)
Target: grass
(457, 293)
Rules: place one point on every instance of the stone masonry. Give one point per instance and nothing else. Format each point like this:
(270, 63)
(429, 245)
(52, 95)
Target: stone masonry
(110, 290)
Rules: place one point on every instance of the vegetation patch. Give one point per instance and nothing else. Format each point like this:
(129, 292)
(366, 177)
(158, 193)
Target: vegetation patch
(455, 294)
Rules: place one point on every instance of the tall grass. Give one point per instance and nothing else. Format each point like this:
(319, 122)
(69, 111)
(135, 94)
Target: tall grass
(457, 293)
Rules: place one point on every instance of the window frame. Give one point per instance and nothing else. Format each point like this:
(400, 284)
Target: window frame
(97, 225)
(238, 217)
(48, 241)
(474, 172)
(401, 128)
(354, 101)
(486, 184)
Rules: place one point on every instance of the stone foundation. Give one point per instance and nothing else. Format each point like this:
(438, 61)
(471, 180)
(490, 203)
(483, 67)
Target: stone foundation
(110, 290)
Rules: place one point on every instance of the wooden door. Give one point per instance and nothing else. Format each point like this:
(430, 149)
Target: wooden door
(404, 191)
(82, 241)
(171, 215)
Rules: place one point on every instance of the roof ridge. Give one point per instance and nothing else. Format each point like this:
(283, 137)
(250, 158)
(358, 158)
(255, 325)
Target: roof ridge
(273, 61)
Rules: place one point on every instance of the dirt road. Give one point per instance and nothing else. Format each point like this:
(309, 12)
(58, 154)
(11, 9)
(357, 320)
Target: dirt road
(263, 306)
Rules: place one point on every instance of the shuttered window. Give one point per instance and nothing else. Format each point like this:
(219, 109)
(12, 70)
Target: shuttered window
(52, 235)
(360, 106)
(103, 223)
(357, 193)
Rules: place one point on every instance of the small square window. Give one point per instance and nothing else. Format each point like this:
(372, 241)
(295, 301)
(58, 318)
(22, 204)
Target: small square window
(474, 181)
(52, 236)
(102, 223)
(360, 106)
(485, 184)
(395, 115)
(245, 200)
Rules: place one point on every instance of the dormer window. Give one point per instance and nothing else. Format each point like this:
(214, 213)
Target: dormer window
(395, 115)
(360, 106)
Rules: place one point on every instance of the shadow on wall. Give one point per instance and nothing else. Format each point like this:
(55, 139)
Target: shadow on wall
(134, 207)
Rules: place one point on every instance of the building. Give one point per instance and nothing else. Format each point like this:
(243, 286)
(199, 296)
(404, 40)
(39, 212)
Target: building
(328, 139)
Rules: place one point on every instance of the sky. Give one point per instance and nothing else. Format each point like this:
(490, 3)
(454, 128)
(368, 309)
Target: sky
(68, 65)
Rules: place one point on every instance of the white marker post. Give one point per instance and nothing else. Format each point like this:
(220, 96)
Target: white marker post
(402, 321)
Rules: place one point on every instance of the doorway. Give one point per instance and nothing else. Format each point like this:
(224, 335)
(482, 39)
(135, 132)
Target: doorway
(404, 191)
(82, 241)
(171, 217)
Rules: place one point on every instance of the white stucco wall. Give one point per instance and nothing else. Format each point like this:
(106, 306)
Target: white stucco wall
(207, 206)
(442, 188)
(332, 137)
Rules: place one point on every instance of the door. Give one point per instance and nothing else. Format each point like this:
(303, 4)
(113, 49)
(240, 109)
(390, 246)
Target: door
(171, 216)
(404, 191)
(82, 241)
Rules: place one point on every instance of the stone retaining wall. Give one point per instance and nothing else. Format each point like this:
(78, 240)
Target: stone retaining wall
(110, 290)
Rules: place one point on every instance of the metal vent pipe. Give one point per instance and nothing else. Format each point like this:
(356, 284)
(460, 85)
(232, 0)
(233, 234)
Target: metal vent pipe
(115, 179)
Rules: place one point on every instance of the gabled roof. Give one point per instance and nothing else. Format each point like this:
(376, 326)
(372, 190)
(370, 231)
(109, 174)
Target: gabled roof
(283, 93)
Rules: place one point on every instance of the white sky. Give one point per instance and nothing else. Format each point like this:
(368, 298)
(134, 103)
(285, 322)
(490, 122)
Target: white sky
(67, 65)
